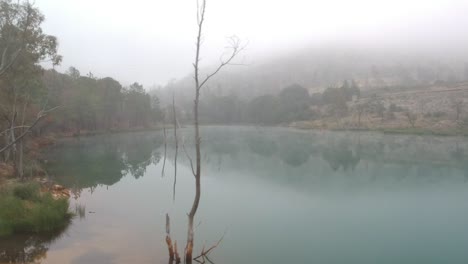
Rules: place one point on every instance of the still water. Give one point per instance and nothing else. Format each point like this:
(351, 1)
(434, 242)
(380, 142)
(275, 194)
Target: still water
(278, 196)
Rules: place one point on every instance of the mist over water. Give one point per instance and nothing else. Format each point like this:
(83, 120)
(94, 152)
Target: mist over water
(280, 195)
(299, 132)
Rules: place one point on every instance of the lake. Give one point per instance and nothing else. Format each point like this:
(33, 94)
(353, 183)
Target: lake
(277, 195)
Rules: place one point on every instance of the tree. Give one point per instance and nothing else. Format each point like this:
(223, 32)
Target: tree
(336, 98)
(411, 117)
(294, 103)
(360, 109)
(458, 107)
(23, 47)
(264, 110)
(235, 49)
(74, 73)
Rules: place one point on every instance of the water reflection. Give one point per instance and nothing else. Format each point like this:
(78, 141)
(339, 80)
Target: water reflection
(361, 195)
(27, 248)
(103, 160)
(341, 155)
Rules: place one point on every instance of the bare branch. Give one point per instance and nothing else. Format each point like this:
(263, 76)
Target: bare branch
(13, 128)
(236, 48)
(40, 115)
(204, 254)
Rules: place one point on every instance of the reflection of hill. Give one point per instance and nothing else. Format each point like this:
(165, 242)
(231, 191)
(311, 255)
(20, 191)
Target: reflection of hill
(282, 155)
(92, 161)
(313, 158)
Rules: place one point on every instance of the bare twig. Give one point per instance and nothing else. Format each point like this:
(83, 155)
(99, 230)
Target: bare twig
(236, 47)
(205, 253)
(40, 115)
(12, 128)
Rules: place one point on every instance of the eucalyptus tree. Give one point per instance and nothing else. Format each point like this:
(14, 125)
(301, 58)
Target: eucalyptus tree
(23, 47)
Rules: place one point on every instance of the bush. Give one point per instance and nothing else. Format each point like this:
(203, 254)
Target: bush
(23, 209)
(27, 191)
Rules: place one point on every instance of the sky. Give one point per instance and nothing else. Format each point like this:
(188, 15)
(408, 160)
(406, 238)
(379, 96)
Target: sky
(153, 41)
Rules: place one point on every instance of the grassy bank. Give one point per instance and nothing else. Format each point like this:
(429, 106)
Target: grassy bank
(25, 209)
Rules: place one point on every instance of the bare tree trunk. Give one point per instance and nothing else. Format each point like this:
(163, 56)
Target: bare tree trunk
(199, 83)
(13, 139)
(165, 149)
(176, 148)
(196, 201)
(21, 145)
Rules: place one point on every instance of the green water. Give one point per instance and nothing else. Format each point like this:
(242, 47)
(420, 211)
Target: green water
(278, 195)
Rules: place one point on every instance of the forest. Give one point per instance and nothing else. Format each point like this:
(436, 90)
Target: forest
(43, 102)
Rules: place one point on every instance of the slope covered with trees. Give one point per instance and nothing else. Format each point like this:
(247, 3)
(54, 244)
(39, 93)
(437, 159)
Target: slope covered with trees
(37, 102)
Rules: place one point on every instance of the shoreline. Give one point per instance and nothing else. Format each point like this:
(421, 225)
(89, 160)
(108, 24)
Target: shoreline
(421, 131)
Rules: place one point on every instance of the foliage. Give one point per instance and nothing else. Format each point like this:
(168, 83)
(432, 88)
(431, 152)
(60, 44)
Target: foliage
(24, 209)
(264, 110)
(27, 191)
(99, 103)
(294, 103)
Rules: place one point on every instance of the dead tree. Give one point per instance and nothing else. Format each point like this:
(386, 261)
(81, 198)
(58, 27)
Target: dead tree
(235, 48)
(173, 253)
(165, 149)
(176, 147)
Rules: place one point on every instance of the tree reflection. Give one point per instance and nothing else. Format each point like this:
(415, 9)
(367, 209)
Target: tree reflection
(294, 151)
(27, 248)
(94, 161)
(340, 155)
(263, 147)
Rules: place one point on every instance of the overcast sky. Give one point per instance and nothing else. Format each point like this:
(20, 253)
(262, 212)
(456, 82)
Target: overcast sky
(152, 41)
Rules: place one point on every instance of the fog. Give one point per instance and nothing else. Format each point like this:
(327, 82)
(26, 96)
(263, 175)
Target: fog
(340, 125)
(153, 42)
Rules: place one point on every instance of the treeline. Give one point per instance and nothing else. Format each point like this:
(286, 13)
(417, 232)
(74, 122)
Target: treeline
(293, 103)
(35, 101)
(98, 104)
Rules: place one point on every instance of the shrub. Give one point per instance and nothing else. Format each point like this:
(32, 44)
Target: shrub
(27, 191)
(23, 209)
